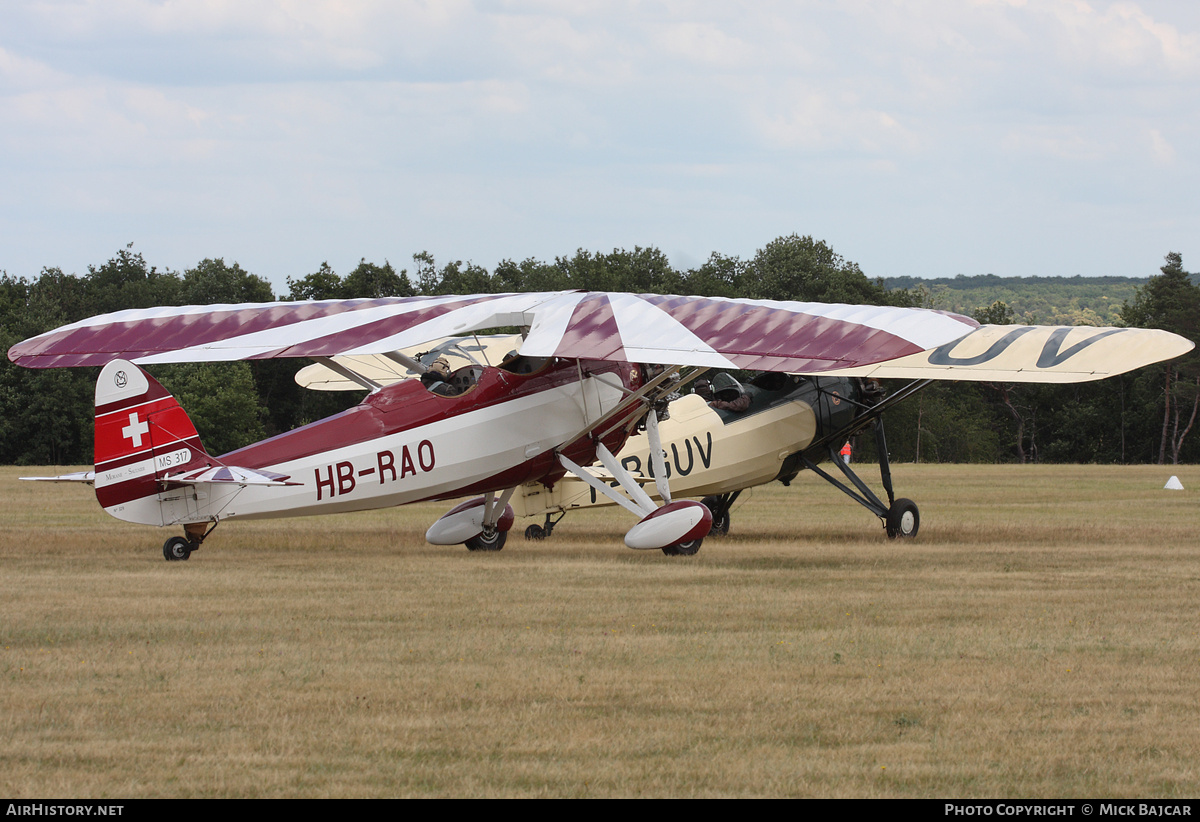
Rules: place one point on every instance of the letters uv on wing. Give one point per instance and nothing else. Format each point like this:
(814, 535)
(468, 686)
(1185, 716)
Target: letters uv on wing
(1034, 353)
(751, 334)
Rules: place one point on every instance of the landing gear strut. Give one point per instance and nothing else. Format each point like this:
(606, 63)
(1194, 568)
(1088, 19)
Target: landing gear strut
(719, 505)
(900, 517)
(540, 532)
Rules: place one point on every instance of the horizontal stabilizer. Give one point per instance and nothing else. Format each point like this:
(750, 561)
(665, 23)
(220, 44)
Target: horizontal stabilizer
(230, 474)
(79, 476)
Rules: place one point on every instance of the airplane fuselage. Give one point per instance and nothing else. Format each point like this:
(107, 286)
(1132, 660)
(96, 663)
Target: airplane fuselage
(406, 444)
(716, 452)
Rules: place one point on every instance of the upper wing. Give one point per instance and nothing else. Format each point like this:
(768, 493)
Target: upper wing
(212, 333)
(1034, 353)
(724, 333)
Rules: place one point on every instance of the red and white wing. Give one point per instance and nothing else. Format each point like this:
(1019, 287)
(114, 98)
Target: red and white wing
(703, 331)
(758, 335)
(213, 333)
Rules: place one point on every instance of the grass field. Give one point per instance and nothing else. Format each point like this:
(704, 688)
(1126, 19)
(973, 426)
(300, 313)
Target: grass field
(1040, 638)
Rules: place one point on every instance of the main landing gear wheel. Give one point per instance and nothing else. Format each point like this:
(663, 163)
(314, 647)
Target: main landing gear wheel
(535, 532)
(903, 519)
(683, 549)
(177, 549)
(484, 542)
(720, 515)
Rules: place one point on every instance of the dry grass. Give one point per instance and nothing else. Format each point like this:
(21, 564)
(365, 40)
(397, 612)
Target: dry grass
(1040, 638)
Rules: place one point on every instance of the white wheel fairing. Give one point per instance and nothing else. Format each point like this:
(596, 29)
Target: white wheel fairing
(464, 522)
(681, 521)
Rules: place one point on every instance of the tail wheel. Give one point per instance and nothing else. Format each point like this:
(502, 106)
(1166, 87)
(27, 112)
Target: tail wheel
(177, 549)
(903, 519)
(683, 549)
(485, 542)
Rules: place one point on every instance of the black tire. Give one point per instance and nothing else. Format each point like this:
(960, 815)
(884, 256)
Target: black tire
(177, 549)
(684, 549)
(485, 543)
(719, 509)
(903, 519)
(535, 532)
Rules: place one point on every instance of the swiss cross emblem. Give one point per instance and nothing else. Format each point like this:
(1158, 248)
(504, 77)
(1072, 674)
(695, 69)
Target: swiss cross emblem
(135, 430)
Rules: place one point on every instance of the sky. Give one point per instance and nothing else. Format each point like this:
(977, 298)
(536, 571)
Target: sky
(922, 138)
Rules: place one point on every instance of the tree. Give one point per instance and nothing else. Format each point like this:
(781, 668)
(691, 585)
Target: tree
(717, 277)
(427, 273)
(322, 284)
(528, 275)
(45, 414)
(221, 401)
(1171, 301)
(125, 281)
(373, 281)
(998, 313)
(455, 278)
(212, 282)
(801, 268)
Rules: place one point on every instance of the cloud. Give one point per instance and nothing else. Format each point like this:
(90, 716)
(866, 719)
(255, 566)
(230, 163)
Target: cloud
(1162, 151)
(563, 122)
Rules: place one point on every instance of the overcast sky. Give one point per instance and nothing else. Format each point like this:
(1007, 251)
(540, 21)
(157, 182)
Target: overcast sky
(917, 137)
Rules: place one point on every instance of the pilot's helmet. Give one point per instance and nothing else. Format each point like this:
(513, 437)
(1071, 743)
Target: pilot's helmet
(725, 387)
(440, 367)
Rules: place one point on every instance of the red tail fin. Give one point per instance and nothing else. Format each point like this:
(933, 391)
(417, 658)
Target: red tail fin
(141, 435)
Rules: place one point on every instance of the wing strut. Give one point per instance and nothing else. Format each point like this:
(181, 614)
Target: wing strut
(643, 505)
(353, 376)
(677, 528)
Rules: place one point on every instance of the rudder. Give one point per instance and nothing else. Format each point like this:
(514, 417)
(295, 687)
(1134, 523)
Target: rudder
(142, 434)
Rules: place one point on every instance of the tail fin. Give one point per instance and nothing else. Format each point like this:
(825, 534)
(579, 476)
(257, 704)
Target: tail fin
(141, 434)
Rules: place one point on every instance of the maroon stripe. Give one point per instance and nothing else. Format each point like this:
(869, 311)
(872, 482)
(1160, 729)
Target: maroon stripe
(199, 458)
(155, 392)
(124, 492)
(360, 335)
(793, 341)
(592, 331)
(96, 345)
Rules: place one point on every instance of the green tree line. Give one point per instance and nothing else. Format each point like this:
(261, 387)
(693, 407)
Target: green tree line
(46, 415)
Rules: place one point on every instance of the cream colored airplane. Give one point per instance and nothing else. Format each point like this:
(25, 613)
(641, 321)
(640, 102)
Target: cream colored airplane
(792, 423)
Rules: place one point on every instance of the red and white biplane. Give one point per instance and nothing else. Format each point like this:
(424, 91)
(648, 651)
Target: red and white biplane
(592, 369)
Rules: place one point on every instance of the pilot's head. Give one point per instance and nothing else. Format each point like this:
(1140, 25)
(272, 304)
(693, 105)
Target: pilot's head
(440, 367)
(725, 387)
